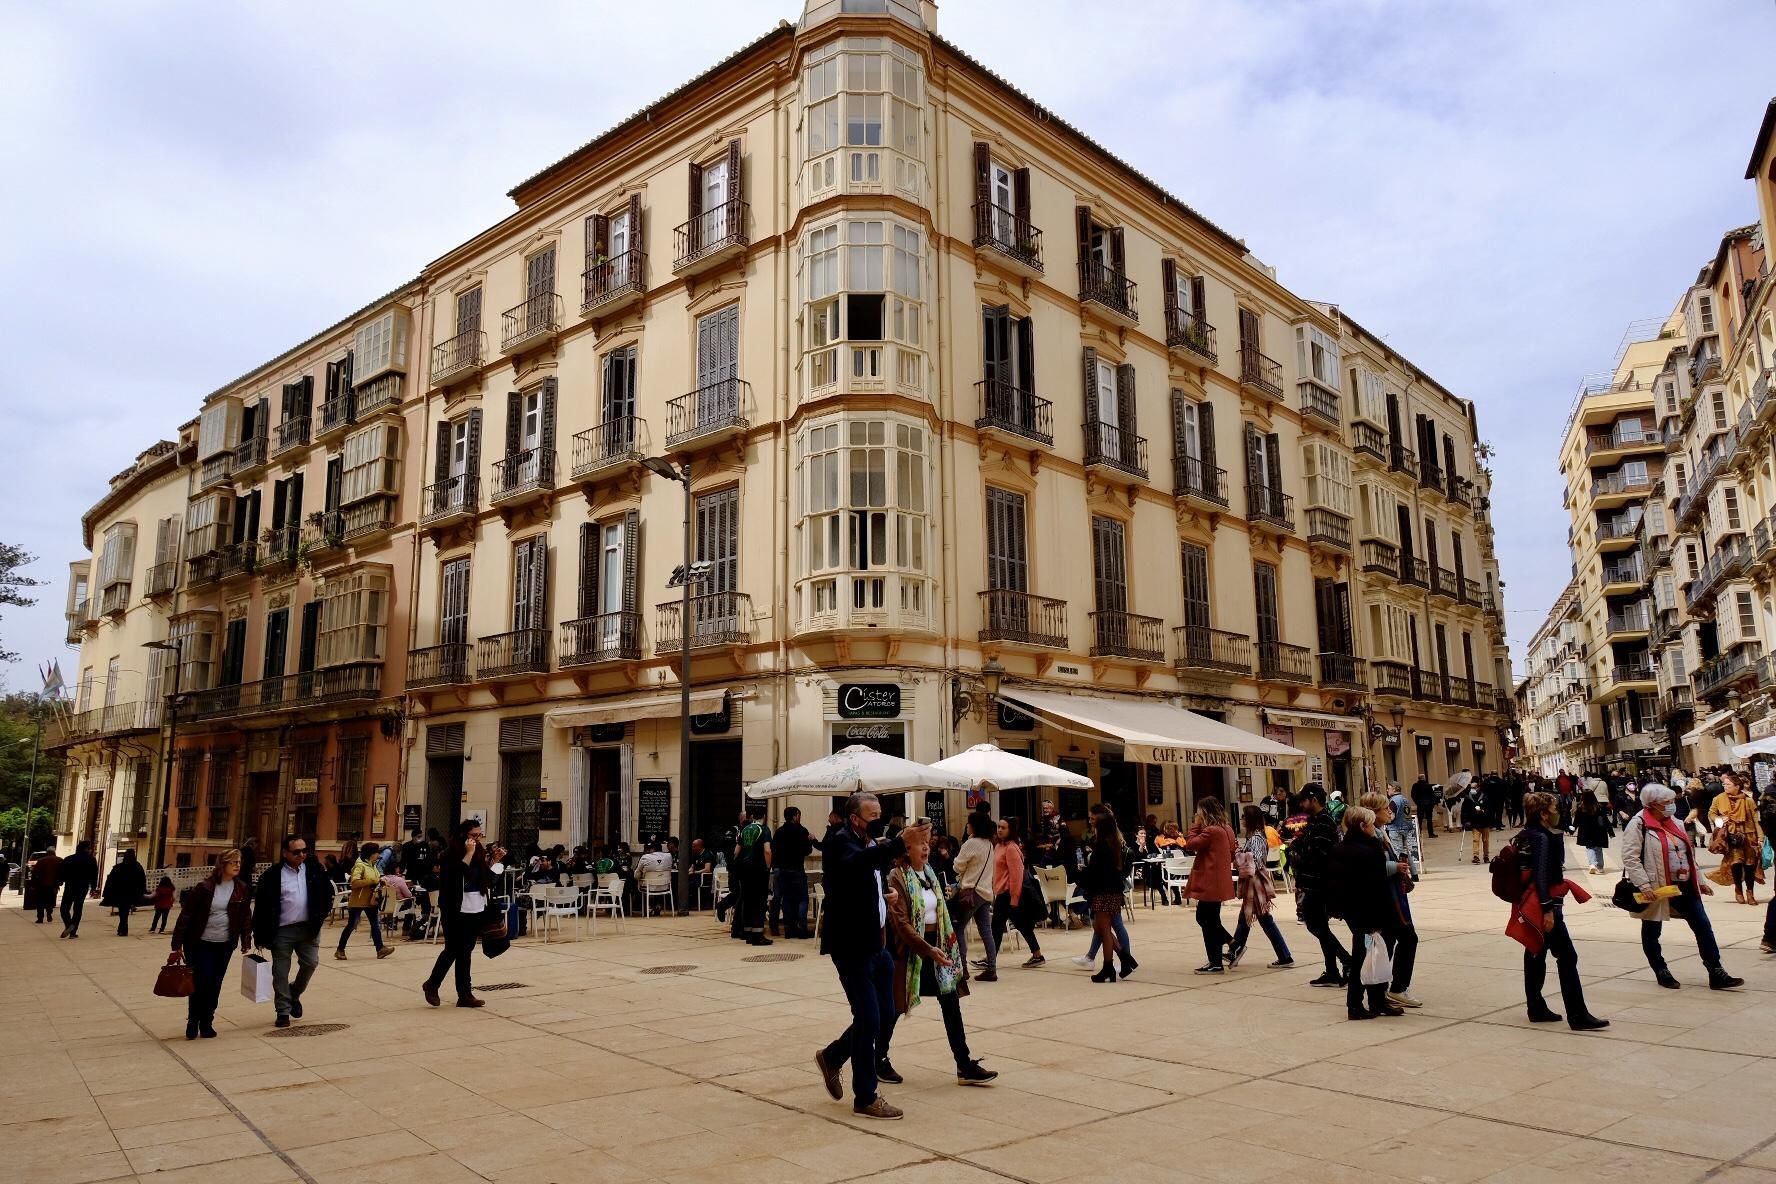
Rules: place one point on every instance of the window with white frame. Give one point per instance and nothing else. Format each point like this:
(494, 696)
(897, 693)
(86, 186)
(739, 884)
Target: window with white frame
(380, 344)
(1379, 509)
(119, 557)
(864, 527)
(1328, 473)
(863, 116)
(863, 314)
(195, 635)
(1316, 354)
(370, 460)
(1370, 396)
(353, 618)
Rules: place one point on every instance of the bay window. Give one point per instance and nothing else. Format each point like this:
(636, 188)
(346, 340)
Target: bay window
(353, 618)
(863, 118)
(863, 314)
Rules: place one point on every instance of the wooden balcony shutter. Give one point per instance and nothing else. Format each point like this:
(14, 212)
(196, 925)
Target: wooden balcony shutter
(1254, 462)
(514, 423)
(1449, 473)
(306, 643)
(983, 184)
(996, 344)
(591, 551)
(262, 422)
(1125, 406)
(1264, 577)
(1455, 554)
(539, 582)
(631, 559)
(1026, 353)
(695, 206)
(1109, 566)
(441, 462)
(1325, 610)
(293, 512)
(635, 232)
(597, 239)
(468, 311)
(280, 502)
(1198, 296)
(1007, 557)
(1020, 194)
(1248, 327)
(1168, 279)
(547, 437)
(1180, 439)
(1091, 390)
(1393, 417)
(1082, 217)
(453, 615)
(473, 466)
(287, 403)
(735, 189)
(540, 274)
(1205, 440)
(1118, 262)
(1274, 457)
(1196, 585)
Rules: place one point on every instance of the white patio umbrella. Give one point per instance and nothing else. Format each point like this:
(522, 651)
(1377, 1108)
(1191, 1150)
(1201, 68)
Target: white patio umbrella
(854, 769)
(1008, 770)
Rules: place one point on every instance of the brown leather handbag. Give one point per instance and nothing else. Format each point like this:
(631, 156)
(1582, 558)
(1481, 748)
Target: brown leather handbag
(174, 980)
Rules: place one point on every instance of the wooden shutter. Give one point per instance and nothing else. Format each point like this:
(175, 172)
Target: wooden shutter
(287, 403)
(444, 740)
(514, 423)
(453, 614)
(1008, 566)
(293, 512)
(1118, 261)
(277, 642)
(718, 538)
(1274, 457)
(631, 559)
(311, 628)
(468, 311)
(1020, 194)
(1109, 566)
(1431, 545)
(1181, 440)
(1026, 353)
(591, 551)
(694, 209)
(1468, 653)
(1168, 279)
(735, 189)
(1082, 219)
(634, 271)
(597, 239)
(1198, 297)
(540, 275)
(1455, 554)
(1393, 417)
(1325, 615)
(996, 346)
(252, 500)
(983, 186)
(1205, 442)
(473, 464)
(547, 437)
(1264, 598)
(262, 422)
(1449, 461)
(234, 654)
(280, 502)
(335, 479)
(539, 582)
(441, 461)
(521, 734)
(1248, 328)
(1254, 462)
(1125, 408)
(1092, 417)
(1196, 585)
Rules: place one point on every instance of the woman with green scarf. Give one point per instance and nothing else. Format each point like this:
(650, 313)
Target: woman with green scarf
(927, 959)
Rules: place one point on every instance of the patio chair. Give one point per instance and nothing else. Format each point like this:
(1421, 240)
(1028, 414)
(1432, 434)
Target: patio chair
(606, 896)
(656, 882)
(1053, 881)
(550, 904)
(1176, 873)
(341, 899)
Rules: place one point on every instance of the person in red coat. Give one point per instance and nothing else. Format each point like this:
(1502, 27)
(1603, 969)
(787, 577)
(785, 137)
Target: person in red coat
(1212, 841)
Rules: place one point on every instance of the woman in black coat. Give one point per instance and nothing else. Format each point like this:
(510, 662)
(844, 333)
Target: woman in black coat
(125, 889)
(463, 902)
(1357, 871)
(1595, 827)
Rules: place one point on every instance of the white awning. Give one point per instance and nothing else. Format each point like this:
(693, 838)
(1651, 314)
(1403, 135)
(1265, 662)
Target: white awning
(1764, 747)
(1155, 733)
(704, 702)
(1708, 726)
(1324, 720)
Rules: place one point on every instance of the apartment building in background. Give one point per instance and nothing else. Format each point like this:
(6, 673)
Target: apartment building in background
(1557, 691)
(971, 431)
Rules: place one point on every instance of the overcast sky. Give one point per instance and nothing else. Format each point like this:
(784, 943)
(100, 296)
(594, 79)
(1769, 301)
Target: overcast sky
(1497, 188)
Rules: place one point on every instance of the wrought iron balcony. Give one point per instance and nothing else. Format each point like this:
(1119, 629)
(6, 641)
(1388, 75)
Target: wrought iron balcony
(1319, 403)
(1023, 618)
(1189, 331)
(523, 474)
(1279, 661)
(291, 433)
(1109, 289)
(378, 394)
(1328, 528)
(1015, 238)
(1367, 439)
(1430, 475)
(1622, 436)
(1392, 678)
(1201, 648)
(1402, 459)
(1737, 663)
(1270, 507)
(1620, 484)
(709, 413)
(614, 444)
(215, 471)
(613, 284)
(536, 319)
(1633, 672)
(1415, 571)
(1379, 557)
(1626, 572)
(250, 454)
(717, 619)
(163, 578)
(1431, 686)
(334, 684)
(114, 599)
(1193, 479)
(1471, 593)
(1443, 583)
(1632, 620)
(605, 637)
(438, 666)
(711, 238)
(337, 414)
(1343, 672)
(1261, 373)
(1461, 490)
(504, 655)
(1461, 692)
(1126, 635)
(449, 500)
(458, 358)
(279, 547)
(365, 518)
(1116, 448)
(1013, 411)
(238, 559)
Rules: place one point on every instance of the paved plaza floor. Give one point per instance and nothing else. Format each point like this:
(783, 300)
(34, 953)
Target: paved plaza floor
(670, 1053)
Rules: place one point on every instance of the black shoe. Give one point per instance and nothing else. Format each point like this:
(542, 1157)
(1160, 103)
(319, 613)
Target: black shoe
(191, 1031)
(1106, 975)
(971, 1073)
(1282, 964)
(885, 1072)
(758, 941)
(1328, 980)
(1390, 1009)
(1544, 1015)
(1666, 979)
(295, 1009)
(1720, 980)
(1234, 954)
(1357, 1013)
(721, 914)
(1212, 968)
(207, 1032)
(1587, 1023)
(1129, 965)
(283, 1021)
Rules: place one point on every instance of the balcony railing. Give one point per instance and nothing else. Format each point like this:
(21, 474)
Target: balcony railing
(114, 599)
(1621, 436)
(1126, 635)
(438, 665)
(1279, 661)
(611, 443)
(237, 559)
(1108, 288)
(1461, 692)
(606, 637)
(338, 413)
(1005, 232)
(1117, 447)
(1620, 483)
(1392, 678)
(718, 408)
(537, 317)
(1430, 474)
(1188, 330)
(1633, 672)
(1630, 620)
(216, 470)
(97, 722)
(1202, 648)
(1193, 479)
(1319, 403)
(1618, 528)
(1675, 699)
(279, 547)
(523, 472)
(1329, 528)
(1007, 408)
(522, 651)
(450, 498)
(1622, 573)
(1471, 593)
(1367, 438)
(1415, 571)
(1342, 671)
(1402, 459)
(1023, 618)
(250, 453)
(1443, 583)
(457, 356)
(1735, 663)
(710, 233)
(1380, 557)
(1270, 506)
(1461, 490)
(1264, 374)
(334, 684)
(379, 394)
(291, 433)
(717, 619)
(610, 280)
(163, 578)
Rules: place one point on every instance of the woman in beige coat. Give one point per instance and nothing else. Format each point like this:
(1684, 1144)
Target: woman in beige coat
(1734, 836)
(1657, 853)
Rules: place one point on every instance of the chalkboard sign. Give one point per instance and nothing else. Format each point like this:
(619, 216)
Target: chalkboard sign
(934, 810)
(1156, 792)
(653, 814)
(548, 815)
(869, 700)
(410, 817)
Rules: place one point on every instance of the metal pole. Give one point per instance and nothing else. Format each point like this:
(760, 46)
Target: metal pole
(166, 758)
(682, 813)
(30, 796)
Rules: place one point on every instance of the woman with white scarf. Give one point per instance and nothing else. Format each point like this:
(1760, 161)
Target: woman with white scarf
(1657, 853)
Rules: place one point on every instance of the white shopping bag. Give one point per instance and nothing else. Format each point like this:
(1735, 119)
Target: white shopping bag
(256, 978)
(1378, 968)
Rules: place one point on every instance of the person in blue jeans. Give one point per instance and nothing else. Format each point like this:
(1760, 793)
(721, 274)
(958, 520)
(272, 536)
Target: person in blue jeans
(1256, 892)
(852, 934)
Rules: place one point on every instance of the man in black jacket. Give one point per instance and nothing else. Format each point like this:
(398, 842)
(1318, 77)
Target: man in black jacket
(789, 853)
(79, 879)
(853, 920)
(1309, 857)
(124, 889)
(289, 907)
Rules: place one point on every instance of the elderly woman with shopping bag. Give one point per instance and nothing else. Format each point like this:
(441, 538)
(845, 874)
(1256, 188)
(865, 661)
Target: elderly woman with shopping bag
(1358, 875)
(1658, 860)
(215, 915)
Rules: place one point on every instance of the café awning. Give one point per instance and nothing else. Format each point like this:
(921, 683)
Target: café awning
(620, 711)
(1708, 726)
(1154, 733)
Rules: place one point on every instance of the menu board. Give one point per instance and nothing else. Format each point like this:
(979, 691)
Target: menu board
(653, 811)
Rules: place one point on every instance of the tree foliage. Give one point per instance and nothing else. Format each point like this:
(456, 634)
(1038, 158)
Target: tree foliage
(12, 825)
(13, 583)
(19, 715)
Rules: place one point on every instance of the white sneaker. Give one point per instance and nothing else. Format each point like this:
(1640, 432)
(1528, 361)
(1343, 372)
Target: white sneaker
(1404, 999)
(1084, 961)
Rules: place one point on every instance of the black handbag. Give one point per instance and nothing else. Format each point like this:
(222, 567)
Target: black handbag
(1624, 897)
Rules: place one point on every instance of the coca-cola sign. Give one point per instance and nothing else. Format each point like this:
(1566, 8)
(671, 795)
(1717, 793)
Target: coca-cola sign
(869, 700)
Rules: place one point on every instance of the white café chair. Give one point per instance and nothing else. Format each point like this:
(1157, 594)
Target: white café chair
(816, 897)
(656, 882)
(550, 903)
(1053, 882)
(606, 896)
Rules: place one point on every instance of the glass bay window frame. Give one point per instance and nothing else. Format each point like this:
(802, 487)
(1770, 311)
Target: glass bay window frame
(863, 119)
(846, 265)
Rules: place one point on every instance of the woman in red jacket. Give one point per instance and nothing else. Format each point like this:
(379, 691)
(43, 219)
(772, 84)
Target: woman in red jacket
(1211, 877)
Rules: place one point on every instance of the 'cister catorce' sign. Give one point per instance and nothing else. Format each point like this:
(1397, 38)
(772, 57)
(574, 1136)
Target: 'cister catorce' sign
(869, 700)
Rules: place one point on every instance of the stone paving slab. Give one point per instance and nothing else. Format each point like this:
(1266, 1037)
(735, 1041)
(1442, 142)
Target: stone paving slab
(593, 1068)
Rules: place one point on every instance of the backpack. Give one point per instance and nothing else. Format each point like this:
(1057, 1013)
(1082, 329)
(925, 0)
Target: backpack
(1508, 876)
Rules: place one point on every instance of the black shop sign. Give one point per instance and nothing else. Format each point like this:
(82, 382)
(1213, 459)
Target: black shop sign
(653, 814)
(869, 700)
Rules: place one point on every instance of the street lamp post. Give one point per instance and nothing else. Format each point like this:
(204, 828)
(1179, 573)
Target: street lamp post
(166, 753)
(684, 577)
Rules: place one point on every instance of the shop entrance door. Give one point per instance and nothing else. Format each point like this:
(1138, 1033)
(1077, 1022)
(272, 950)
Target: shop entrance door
(443, 805)
(1205, 782)
(604, 806)
(715, 805)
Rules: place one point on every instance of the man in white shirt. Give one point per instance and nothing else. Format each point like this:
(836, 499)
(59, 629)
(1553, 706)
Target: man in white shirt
(290, 905)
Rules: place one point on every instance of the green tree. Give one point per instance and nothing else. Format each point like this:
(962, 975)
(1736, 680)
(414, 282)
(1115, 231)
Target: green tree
(13, 583)
(12, 824)
(19, 715)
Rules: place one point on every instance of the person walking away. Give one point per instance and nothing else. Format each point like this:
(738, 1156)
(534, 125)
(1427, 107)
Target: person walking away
(1256, 893)
(365, 879)
(1425, 798)
(165, 897)
(752, 870)
(852, 928)
(125, 889)
(1734, 836)
(46, 879)
(1308, 856)
(974, 894)
(1657, 853)
(790, 846)
(1211, 877)
(1402, 829)
(1010, 904)
(1767, 823)
(215, 916)
(1102, 882)
(1477, 821)
(1594, 827)
(1126, 951)
(462, 904)
(1357, 878)
(79, 880)
(1397, 929)
(1538, 918)
(927, 960)
(289, 907)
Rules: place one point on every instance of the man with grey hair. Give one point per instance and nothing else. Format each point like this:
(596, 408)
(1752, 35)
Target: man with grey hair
(853, 920)
(1657, 853)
